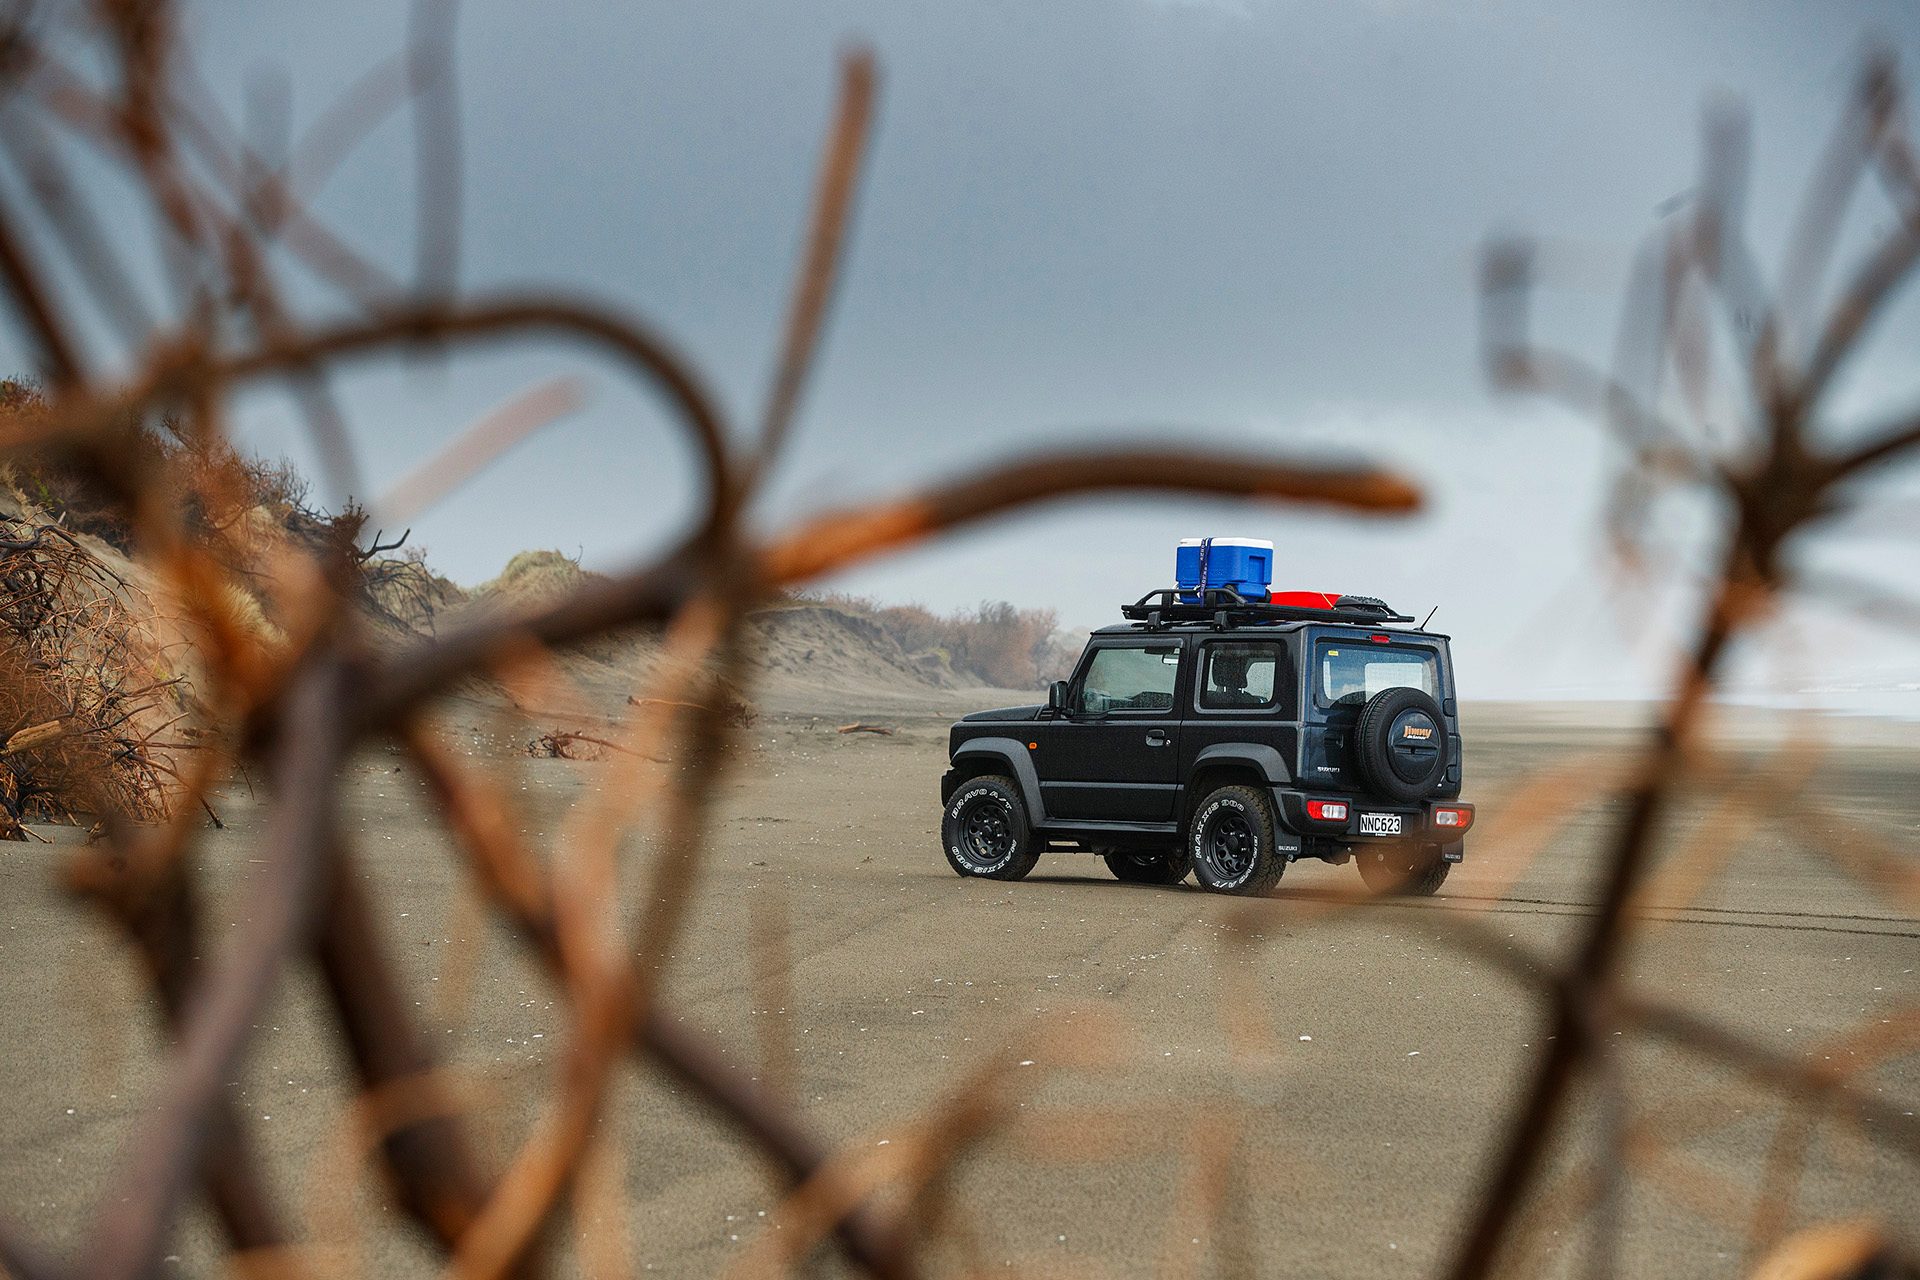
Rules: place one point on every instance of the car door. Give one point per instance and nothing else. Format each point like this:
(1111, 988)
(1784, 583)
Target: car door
(1114, 755)
(1244, 693)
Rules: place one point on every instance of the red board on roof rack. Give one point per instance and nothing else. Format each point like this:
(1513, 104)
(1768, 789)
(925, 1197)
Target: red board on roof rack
(1306, 599)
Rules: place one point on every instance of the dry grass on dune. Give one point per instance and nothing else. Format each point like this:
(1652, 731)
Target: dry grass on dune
(90, 712)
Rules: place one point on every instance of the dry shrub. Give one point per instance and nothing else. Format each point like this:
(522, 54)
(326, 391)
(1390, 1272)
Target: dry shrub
(245, 510)
(74, 653)
(404, 592)
(997, 643)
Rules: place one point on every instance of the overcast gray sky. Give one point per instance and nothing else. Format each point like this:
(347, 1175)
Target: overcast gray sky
(1247, 221)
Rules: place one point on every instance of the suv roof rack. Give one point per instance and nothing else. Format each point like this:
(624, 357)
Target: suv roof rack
(1225, 607)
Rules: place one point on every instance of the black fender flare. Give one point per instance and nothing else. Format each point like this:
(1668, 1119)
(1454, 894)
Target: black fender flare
(1266, 761)
(1271, 766)
(1013, 753)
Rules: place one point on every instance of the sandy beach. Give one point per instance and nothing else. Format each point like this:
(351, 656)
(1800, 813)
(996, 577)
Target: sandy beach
(1324, 1085)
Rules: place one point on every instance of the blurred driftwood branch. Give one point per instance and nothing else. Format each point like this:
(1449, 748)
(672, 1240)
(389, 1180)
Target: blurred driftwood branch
(1775, 475)
(293, 701)
(228, 218)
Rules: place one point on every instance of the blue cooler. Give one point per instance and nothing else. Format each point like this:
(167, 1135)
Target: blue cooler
(1245, 564)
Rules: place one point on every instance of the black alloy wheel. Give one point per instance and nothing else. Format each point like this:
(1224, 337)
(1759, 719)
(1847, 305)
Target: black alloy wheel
(1149, 866)
(1230, 846)
(988, 837)
(985, 832)
(1403, 868)
(1231, 841)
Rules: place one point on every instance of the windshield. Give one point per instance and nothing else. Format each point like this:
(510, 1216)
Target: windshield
(1353, 671)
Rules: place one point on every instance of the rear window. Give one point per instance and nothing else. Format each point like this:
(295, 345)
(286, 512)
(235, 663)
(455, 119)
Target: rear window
(1350, 672)
(1241, 674)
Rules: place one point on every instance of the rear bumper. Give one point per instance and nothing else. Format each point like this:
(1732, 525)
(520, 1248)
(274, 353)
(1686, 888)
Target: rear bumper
(1424, 820)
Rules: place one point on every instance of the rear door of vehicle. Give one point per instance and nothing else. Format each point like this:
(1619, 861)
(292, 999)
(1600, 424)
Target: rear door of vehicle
(1343, 668)
(1114, 756)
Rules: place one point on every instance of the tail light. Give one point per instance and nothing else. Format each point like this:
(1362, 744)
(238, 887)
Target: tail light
(1457, 819)
(1327, 810)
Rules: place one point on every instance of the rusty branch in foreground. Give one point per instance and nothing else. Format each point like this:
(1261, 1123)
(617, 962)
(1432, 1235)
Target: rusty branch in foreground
(298, 677)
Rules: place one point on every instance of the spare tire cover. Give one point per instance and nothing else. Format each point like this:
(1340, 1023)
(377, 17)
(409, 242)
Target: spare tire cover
(1400, 744)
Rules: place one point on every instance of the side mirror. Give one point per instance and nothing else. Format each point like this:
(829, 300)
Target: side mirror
(1057, 696)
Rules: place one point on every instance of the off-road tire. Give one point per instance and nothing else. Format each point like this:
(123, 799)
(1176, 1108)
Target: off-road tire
(1374, 751)
(1160, 866)
(1230, 840)
(985, 832)
(1400, 870)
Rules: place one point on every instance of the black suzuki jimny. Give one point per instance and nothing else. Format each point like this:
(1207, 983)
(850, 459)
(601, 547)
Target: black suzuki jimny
(1225, 738)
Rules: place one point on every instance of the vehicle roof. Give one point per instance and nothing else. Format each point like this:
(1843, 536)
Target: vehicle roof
(1263, 628)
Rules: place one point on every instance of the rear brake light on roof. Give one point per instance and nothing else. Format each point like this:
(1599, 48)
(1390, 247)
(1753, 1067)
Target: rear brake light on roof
(1326, 811)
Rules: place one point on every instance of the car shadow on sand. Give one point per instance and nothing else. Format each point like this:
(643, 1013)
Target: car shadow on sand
(1284, 892)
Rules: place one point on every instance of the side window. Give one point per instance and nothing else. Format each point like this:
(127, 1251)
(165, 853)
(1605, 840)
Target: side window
(1129, 678)
(1240, 675)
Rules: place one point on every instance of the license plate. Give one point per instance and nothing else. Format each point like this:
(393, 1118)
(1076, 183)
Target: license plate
(1379, 824)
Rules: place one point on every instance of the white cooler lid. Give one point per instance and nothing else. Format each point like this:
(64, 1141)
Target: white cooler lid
(1263, 544)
